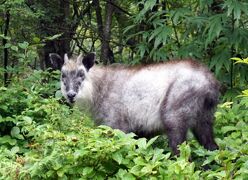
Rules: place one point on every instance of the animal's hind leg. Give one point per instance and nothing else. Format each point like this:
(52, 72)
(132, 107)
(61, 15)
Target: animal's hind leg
(203, 132)
(203, 129)
(176, 137)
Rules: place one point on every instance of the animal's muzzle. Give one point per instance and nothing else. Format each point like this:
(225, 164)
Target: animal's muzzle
(71, 96)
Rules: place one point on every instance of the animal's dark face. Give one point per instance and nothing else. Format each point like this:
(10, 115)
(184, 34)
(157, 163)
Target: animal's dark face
(73, 74)
(71, 82)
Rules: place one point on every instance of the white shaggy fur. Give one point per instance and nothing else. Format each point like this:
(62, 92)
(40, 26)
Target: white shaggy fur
(167, 97)
(138, 94)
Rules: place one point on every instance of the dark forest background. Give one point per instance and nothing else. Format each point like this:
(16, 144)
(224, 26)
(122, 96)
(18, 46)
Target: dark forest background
(211, 31)
(41, 137)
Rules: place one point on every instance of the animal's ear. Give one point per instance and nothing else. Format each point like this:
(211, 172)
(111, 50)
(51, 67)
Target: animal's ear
(66, 59)
(88, 60)
(56, 61)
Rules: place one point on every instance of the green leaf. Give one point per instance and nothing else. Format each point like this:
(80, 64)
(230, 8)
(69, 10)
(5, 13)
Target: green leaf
(5, 37)
(155, 33)
(36, 40)
(7, 140)
(149, 4)
(147, 169)
(60, 173)
(117, 156)
(226, 129)
(15, 149)
(136, 170)
(87, 171)
(15, 131)
(236, 59)
(139, 161)
(27, 119)
(58, 94)
(124, 175)
(23, 45)
(142, 143)
(14, 48)
(50, 38)
(214, 28)
(128, 28)
(7, 45)
(151, 141)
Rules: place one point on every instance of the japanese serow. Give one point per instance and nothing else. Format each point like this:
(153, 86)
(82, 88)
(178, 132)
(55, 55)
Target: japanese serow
(168, 98)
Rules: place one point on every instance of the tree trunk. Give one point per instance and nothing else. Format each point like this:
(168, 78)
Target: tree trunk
(5, 50)
(106, 52)
(104, 30)
(59, 25)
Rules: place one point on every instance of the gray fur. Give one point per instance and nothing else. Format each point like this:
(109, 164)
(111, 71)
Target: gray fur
(147, 100)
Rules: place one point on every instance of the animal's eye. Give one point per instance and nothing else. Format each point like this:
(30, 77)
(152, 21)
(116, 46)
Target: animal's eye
(63, 76)
(78, 84)
(80, 74)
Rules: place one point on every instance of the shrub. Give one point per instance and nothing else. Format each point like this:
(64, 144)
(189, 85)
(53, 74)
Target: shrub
(42, 138)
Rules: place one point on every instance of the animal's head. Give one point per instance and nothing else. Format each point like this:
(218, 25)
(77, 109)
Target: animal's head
(73, 73)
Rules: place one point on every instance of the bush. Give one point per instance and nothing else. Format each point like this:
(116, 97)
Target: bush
(42, 138)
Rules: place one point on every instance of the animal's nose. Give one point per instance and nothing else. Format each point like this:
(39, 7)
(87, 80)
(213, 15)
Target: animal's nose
(71, 95)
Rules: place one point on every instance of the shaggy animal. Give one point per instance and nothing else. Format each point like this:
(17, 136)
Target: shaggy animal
(147, 100)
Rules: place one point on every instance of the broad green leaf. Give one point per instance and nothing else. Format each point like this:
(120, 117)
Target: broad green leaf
(60, 173)
(135, 170)
(23, 45)
(15, 131)
(226, 129)
(15, 149)
(58, 94)
(14, 48)
(117, 156)
(142, 143)
(123, 174)
(5, 37)
(7, 140)
(36, 40)
(7, 45)
(149, 4)
(27, 119)
(87, 170)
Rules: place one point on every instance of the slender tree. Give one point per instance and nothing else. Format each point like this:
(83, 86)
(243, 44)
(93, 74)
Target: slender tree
(5, 50)
(104, 30)
(55, 21)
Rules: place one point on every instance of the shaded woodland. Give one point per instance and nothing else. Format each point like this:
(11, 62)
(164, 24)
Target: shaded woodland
(41, 137)
(126, 32)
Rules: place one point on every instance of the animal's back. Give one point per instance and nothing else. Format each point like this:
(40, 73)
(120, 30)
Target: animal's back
(139, 95)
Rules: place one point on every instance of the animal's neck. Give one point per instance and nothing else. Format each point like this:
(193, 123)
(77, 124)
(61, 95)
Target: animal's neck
(96, 77)
(96, 74)
(93, 84)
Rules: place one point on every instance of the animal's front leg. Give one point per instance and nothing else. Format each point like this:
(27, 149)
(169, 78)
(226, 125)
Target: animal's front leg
(203, 132)
(120, 124)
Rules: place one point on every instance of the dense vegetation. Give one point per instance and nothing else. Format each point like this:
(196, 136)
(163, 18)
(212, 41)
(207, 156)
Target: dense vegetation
(41, 137)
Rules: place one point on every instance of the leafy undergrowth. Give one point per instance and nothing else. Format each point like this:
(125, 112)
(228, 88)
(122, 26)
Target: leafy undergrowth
(41, 138)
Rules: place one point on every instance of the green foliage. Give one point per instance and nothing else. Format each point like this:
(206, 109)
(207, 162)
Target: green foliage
(23, 19)
(188, 29)
(43, 138)
(49, 140)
